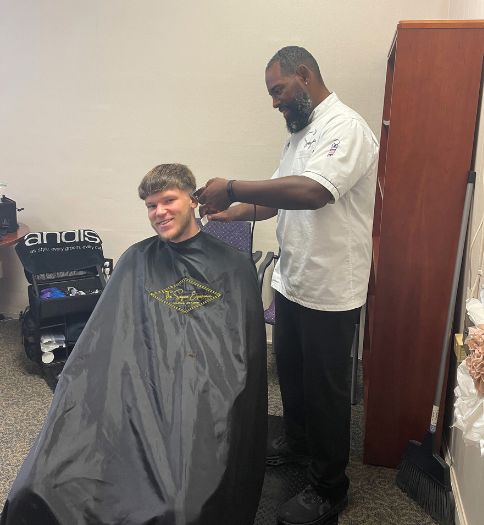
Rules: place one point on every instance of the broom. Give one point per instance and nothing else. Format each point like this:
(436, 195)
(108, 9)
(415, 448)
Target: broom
(423, 474)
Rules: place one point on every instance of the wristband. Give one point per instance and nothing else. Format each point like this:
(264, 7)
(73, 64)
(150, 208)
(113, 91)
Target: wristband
(230, 191)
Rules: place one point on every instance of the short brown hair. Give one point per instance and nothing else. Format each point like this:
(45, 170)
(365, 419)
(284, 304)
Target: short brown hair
(165, 176)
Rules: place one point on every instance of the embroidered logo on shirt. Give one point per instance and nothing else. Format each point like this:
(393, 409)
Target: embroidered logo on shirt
(334, 147)
(310, 138)
(186, 295)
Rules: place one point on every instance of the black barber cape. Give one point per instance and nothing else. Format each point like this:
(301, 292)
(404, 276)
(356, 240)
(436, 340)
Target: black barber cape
(159, 416)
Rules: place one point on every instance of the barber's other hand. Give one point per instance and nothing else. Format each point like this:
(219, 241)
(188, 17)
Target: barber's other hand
(215, 196)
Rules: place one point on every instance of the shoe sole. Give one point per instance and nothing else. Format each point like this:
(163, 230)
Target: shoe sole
(332, 519)
(276, 461)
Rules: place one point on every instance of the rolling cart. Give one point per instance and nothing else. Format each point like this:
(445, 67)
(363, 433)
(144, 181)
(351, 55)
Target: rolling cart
(67, 273)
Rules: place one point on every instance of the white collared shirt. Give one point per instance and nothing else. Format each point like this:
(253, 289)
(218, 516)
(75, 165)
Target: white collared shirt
(326, 253)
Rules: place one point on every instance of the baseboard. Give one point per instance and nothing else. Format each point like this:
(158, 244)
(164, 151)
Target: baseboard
(460, 515)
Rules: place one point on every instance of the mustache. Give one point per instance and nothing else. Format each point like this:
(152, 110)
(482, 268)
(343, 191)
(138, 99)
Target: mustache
(289, 106)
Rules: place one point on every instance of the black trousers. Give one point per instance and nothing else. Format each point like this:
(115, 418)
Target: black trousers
(313, 363)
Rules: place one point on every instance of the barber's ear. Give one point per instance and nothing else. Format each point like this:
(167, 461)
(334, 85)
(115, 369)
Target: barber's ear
(303, 73)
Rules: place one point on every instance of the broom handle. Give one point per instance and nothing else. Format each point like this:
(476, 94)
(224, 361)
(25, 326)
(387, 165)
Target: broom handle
(450, 312)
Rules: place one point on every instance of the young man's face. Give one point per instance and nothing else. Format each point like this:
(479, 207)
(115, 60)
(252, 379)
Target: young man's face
(171, 214)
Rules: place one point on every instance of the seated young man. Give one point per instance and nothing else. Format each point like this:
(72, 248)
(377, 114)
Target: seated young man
(159, 416)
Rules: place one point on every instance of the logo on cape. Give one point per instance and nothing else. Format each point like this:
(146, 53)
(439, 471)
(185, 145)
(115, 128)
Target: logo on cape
(186, 295)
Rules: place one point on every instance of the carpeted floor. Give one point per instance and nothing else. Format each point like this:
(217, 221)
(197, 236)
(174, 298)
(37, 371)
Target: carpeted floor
(25, 398)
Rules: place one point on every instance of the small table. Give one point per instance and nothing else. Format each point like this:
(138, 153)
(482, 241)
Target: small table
(10, 239)
(14, 237)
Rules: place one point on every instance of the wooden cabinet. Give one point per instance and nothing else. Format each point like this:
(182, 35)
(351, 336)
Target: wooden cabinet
(431, 104)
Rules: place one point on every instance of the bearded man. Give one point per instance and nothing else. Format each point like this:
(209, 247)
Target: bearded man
(323, 194)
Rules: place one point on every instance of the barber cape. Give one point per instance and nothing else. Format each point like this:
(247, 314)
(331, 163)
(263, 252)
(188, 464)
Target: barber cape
(159, 416)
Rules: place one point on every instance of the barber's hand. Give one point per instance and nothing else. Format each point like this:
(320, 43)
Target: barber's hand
(205, 209)
(225, 215)
(215, 197)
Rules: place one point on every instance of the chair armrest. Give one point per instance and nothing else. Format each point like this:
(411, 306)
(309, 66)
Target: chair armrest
(263, 267)
(256, 256)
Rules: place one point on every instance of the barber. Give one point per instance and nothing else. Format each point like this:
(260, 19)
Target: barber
(323, 196)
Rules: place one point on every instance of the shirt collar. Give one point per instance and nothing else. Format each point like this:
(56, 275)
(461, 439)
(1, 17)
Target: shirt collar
(322, 107)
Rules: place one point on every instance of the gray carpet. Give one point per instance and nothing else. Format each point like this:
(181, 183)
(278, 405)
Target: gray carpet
(25, 398)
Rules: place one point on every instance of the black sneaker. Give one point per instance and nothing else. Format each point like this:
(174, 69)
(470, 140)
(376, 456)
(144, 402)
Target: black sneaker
(309, 508)
(279, 453)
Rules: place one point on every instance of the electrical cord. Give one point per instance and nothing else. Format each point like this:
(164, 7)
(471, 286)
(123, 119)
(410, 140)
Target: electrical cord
(252, 230)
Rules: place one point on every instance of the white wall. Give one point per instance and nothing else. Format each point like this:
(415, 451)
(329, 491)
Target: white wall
(95, 93)
(466, 9)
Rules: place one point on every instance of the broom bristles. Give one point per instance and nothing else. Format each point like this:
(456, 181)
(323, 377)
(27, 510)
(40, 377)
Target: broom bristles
(436, 499)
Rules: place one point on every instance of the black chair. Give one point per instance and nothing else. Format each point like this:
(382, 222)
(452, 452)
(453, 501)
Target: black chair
(356, 350)
(270, 311)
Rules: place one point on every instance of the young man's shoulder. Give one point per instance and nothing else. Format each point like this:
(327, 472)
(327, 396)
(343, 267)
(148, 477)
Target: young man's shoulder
(229, 253)
(212, 246)
(142, 245)
(139, 247)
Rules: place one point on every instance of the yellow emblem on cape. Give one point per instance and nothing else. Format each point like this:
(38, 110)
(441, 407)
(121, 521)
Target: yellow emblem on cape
(186, 295)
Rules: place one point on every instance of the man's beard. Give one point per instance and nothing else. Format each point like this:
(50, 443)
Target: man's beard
(300, 109)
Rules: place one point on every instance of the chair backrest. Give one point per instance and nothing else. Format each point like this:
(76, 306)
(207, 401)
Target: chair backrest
(233, 233)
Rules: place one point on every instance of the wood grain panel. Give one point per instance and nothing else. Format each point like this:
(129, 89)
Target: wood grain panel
(441, 24)
(435, 92)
